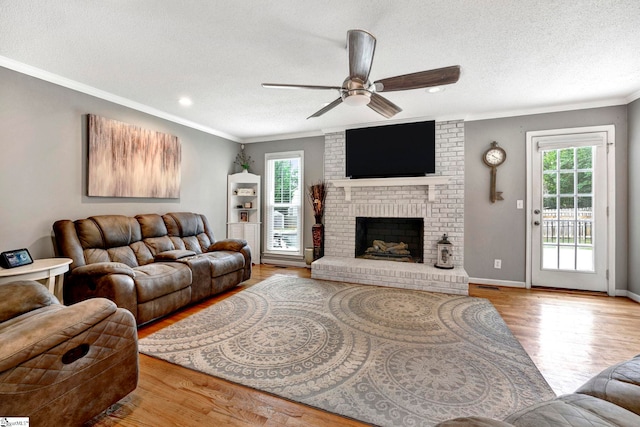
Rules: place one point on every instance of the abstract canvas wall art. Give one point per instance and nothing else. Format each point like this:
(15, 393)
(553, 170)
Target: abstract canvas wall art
(128, 161)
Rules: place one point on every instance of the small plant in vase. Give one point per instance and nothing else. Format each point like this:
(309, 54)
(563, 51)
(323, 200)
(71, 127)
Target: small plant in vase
(243, 159)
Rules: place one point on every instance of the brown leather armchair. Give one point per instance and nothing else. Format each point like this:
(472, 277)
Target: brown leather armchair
(61, 366)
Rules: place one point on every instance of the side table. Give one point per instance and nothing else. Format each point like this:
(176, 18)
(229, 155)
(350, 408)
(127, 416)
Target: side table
(51, 269)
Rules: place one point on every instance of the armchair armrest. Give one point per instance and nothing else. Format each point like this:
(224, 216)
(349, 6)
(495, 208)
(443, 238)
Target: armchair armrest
(25, 338)
(102, 268)
(174, 255)
(23, 296)
(110, 280)
(235, 245)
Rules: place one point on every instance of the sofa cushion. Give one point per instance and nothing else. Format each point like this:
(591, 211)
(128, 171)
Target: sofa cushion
(124, 255)
(184, 224)
(151, 225)
(619, 384)
(224, 262)
(574, 410)
(111, 238)
(191, 229)
(159, 279)
(118, 230)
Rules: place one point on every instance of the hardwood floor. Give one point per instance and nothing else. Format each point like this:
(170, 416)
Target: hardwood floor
(570, 336)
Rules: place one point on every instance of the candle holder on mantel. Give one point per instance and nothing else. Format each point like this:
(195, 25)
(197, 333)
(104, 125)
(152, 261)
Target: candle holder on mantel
(445, 253)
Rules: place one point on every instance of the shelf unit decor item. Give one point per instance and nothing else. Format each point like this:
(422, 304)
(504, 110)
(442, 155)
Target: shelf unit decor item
(243, 211)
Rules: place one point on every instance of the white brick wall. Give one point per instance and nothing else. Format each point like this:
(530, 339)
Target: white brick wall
(444, 215)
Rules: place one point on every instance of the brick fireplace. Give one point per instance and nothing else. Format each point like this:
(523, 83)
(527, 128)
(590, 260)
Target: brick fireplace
(437, 200)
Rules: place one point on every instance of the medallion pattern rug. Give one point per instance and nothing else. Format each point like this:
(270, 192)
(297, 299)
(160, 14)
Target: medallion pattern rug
(385, 356)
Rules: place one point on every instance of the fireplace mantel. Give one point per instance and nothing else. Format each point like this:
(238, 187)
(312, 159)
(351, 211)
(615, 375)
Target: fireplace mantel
(427, 181)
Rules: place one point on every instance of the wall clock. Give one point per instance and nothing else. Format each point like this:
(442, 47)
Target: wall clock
(494, 157)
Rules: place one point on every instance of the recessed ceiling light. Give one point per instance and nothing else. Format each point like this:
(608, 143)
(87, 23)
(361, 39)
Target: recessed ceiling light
(185, 102)
(435, 89)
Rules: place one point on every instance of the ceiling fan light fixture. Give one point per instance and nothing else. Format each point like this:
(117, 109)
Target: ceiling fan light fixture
(357, 100)
(356, 97)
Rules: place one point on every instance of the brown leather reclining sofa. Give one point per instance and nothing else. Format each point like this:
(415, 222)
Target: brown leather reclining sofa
(611, 398)
(149, 264)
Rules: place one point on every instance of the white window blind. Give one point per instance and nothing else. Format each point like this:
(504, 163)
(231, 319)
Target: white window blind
(284, 193)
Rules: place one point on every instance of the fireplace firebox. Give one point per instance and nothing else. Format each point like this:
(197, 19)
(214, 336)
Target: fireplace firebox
(390, 239)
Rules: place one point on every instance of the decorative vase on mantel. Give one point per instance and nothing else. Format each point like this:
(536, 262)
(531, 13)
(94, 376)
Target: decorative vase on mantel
(317, 231)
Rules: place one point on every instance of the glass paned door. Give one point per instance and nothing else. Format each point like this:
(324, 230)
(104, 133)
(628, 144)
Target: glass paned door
(569, 227)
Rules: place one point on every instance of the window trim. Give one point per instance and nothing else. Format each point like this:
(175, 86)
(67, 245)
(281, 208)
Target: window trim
(268, 182)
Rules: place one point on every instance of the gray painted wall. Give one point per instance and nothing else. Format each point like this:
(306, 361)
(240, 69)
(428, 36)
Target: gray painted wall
(43, 160)
(43, 174)
(313, 148)
(634, 197)
(498, 231)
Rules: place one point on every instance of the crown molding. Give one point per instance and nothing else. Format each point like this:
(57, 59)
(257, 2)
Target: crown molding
(107, 96)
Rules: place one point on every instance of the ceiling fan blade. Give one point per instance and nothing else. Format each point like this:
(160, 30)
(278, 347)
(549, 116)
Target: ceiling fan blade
(294, 86)
(422, 79)
(383, 106)
(361, 46)
(326, 108)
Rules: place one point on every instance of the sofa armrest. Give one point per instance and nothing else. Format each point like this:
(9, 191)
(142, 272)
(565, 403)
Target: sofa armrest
(102, 268)
(39, 332)
(235, 245)
(174, 255)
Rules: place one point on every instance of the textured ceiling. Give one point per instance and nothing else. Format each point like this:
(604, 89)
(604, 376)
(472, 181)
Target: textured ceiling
(516, 56)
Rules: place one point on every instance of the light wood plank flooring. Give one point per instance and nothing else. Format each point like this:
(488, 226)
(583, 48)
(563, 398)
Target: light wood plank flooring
(570, 336)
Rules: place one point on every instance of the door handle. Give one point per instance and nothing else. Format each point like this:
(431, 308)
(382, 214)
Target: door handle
(537, 212)
(536, 222)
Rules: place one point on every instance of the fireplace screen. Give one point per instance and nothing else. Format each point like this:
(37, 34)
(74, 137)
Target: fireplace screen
(390, 239)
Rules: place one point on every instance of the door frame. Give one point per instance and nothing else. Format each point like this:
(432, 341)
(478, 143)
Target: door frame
(611, 196)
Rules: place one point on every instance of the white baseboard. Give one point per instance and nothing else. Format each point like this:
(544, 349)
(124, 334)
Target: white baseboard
(284, 262)
(630, 295)
(514, 284)
(494, 282)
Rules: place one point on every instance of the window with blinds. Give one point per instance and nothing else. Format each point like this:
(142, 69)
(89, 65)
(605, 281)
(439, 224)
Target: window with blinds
(284, 187)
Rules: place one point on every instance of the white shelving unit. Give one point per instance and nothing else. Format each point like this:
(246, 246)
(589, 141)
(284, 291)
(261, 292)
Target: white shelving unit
(243, 210)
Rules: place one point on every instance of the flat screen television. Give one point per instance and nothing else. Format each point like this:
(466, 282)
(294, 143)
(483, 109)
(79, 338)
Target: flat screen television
(401, 150)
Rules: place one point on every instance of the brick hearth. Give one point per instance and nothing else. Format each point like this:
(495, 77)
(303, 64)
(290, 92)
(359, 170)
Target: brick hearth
(392, 274)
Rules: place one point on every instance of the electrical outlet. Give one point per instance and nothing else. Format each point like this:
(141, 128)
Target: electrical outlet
(497, 263)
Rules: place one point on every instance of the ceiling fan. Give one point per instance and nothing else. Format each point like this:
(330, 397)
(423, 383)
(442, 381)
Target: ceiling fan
(357, 90)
